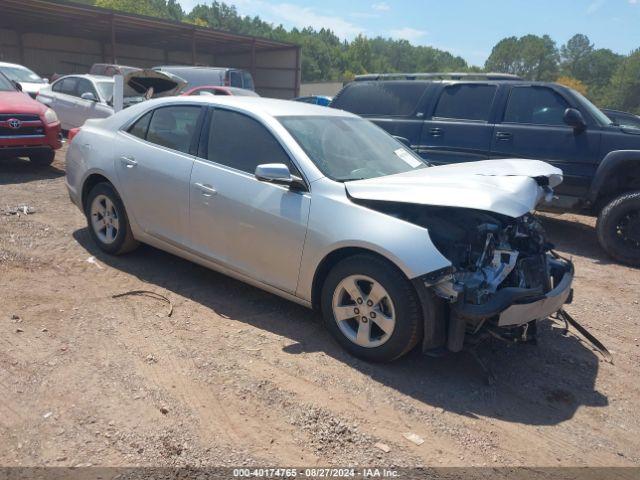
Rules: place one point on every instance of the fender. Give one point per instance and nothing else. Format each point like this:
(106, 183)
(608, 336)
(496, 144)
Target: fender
(611, 163)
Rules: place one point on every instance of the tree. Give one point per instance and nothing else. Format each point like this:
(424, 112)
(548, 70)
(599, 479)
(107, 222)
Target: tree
(624, 88)
(530, 56)
(572, 83)
(575, 56)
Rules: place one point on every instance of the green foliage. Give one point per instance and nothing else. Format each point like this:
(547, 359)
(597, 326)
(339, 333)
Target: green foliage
(530, 56)
(610, 79)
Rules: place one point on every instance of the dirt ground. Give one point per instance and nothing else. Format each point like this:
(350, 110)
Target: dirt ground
(236, 376)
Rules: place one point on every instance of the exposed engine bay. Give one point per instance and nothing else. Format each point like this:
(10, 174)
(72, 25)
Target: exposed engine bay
(504, 274)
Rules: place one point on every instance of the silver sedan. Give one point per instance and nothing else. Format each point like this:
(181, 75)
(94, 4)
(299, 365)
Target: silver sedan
(325, 209)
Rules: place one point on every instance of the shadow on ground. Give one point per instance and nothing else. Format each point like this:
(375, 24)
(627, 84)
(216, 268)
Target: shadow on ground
(537, 385)
(21, 170)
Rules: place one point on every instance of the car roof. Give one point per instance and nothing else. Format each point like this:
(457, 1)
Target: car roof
(95, 78)
(17, 65)
(266, 106)
(195, 67)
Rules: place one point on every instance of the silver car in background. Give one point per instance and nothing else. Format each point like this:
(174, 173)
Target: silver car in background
(324, 208)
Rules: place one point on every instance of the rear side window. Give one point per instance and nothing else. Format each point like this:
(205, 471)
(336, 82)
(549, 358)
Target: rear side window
(243, 143)
(173, 127)
(139, 129)
(535, 105)
(466, 102)
(66, 85)
(235, 78)
(381, 98)
(247, 81)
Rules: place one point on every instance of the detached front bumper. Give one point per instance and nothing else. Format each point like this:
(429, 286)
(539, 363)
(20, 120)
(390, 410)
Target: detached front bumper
(512, 307)
(525, 311)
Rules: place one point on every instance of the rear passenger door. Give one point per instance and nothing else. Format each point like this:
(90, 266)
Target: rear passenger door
(65, 101)
(532, 126)
(154, 158)
(457, 126)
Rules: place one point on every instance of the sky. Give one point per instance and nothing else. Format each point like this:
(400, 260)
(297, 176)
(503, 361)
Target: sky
(469, 28)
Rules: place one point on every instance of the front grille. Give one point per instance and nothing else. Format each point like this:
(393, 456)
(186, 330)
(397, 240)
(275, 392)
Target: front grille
(19, 132)
(30, 125)
(19, 116)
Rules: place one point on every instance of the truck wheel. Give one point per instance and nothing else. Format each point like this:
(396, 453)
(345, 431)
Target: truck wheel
(43, 159)
(371, 308)
(107, 220)
(618, 228)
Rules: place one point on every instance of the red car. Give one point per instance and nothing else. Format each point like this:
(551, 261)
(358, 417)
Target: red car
(219, 90)
(27, 127)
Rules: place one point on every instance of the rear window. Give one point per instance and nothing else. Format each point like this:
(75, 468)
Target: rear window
(381, 98)
(466, 102)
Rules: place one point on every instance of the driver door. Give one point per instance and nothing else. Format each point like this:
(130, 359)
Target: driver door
(252, 227)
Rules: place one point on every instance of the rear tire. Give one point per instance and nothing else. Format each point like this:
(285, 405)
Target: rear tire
(107, 220)
(43, 159)
(618, 228)
(371, 308)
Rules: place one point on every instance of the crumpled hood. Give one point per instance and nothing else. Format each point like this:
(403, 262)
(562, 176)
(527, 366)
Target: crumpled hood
(505, 186)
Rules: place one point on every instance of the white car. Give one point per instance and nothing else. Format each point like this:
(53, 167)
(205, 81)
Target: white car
(77, 98)
(326, 209)
(30, 82)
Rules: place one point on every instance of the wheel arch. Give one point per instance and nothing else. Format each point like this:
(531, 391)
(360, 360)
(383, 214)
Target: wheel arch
(91, 180)
(618, 172)
(333, 258)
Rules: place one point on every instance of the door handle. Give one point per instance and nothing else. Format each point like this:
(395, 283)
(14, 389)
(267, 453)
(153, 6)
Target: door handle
(206, 190)
(128, 161)
(504, 136)
(436, 132)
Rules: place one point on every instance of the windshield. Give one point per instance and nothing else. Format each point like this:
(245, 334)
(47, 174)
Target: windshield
(105, 89)
(595, 112)
(6, 85)
(21, 74)
(350, 148)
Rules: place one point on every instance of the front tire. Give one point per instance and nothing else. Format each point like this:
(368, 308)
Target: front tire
(618, 228)
(107, 220)
(371, 308)
(43, 159)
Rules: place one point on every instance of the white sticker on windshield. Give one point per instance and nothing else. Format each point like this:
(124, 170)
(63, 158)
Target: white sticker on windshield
(407, 158)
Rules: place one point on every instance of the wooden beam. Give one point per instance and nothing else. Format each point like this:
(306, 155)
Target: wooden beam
(253, 58)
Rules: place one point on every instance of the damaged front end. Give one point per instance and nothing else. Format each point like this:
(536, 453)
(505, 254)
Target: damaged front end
(504, 274)
(505, 277)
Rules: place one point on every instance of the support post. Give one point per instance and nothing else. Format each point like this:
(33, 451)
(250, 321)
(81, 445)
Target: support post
(298, 70)
(194, 57)
(253, 59)
(20, 46)
(114, 59)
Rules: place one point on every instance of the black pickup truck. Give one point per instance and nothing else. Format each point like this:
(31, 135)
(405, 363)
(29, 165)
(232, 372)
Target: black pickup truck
(468, 119)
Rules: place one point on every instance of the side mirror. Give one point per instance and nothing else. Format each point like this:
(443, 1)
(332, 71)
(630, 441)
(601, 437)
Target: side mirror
(89, 96)
(279, 174)
(17, 85)
(574, 118)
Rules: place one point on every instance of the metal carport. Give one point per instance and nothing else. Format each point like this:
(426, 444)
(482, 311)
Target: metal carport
(62, 37)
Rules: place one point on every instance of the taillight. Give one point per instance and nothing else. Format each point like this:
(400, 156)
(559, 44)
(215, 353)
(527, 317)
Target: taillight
(72, 133)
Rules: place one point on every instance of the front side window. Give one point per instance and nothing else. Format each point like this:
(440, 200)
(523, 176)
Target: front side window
(535, 106)
(173, 127)
(247, 80)
(466, 102)
(240, 142)
(346, 148)
(85, 86)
